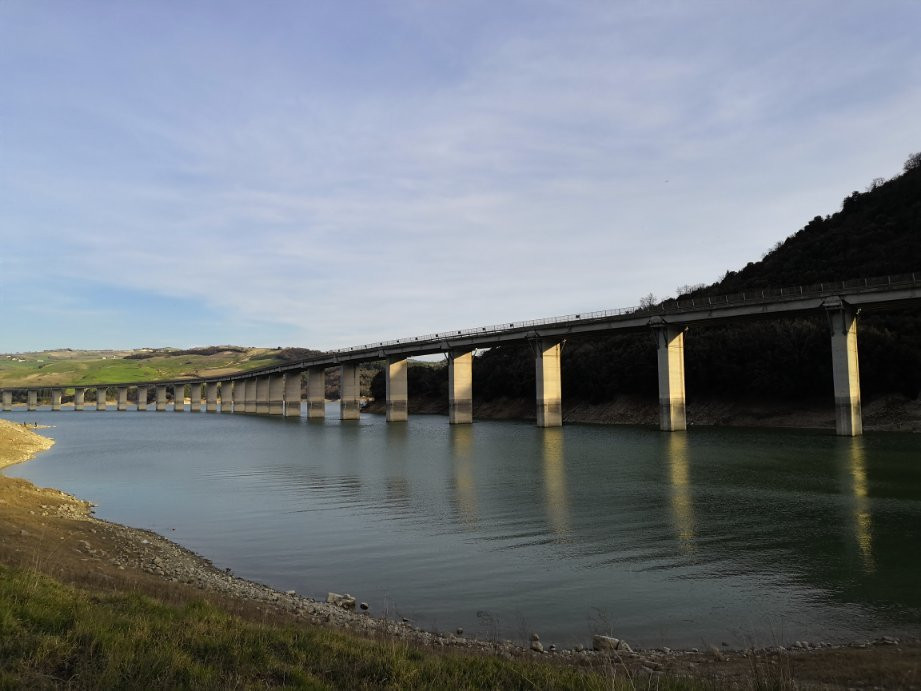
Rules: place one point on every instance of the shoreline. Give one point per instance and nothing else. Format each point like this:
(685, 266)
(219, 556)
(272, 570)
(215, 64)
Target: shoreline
(41, 523)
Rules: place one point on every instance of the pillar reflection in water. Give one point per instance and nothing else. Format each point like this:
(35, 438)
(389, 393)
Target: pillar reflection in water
(682, 498)
(556, 496)
(464, 480)
(861, 518)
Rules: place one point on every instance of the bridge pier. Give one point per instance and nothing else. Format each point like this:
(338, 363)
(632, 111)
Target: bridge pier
(845, 368)
(549, 383)
(32, 400)
(226, 396)
(249, 403)
(460, 387)
(195, 397)
(276, 394)
(211, 397)
(239, 396)
(7, 401)
(142, 397)
(79, 398)
(262, 395)
(161, 398)
(293, 394)
(349, 392)
(101, 392)
(316, 393)
(121, 401)
(178, 398)
(397, 386)
(670, 346)
(56, 395)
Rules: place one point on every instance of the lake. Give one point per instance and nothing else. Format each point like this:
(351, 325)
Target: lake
(684, 539)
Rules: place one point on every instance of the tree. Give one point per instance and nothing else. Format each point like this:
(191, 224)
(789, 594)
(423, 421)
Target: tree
(914, 161)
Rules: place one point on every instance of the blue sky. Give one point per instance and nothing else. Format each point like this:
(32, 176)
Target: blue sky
(325, 174)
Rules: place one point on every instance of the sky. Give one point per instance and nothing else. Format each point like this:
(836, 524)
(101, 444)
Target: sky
(325, 174)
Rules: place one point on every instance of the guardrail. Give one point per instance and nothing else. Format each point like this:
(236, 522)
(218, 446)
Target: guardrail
(665, 307)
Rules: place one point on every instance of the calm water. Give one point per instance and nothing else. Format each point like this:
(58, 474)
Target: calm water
(499, 527)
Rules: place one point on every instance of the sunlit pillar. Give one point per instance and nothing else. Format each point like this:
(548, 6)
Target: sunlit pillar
(7, 401)
(670, 347)
(276, 394)
(397, 389)
(56, 395)
(195, 397)
(142, 397)
(79, 398)
(179, 398)
(262, 395)
(316, 392)
(845, 369)
(293, 394)
(548, 383)
(121, 399)
(101, 392)
(349, 392)
(211, 397)
(161, 398)
(32, 400)
(460, 387)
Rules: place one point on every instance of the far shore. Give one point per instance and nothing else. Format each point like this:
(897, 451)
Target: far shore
(56, 533)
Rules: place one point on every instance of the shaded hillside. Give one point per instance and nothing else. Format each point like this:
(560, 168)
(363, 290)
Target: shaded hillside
(877, 232)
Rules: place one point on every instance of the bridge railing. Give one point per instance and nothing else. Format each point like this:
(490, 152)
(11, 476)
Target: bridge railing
(665, 307)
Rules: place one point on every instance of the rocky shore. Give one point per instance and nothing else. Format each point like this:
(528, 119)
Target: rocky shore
(56, 533)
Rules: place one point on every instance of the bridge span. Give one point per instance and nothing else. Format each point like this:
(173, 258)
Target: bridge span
(276, 390)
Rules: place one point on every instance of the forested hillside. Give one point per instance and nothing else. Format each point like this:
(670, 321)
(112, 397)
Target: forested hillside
(876, 232)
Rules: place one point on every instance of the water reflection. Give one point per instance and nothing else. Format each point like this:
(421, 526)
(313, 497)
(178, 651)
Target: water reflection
(464, 480)
(682, 499)
(856, 464)
(555, 494)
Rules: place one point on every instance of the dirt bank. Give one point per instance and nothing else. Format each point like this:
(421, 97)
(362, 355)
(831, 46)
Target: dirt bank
(884, 414)
(55, 533)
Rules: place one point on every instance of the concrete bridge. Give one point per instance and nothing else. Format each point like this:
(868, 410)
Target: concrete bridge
(276, 390)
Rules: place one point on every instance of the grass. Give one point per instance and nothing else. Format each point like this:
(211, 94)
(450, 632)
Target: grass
(54, 635)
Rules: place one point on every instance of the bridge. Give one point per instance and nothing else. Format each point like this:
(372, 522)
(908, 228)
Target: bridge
(277, 390)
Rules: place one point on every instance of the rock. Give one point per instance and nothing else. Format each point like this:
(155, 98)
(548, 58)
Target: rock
(537, 646)
(534, 637)
(579, 648)
(344, 601)
(608, 643)
(460, 631)
(552, 648)
(364, 605)
(290, 592)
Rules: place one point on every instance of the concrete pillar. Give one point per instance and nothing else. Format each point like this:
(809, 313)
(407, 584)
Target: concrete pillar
(79, 398)
(262, 395)
(161, 398)
(293, 394)
(211, 397)
(101, 393)
(56, 399)
(670, 346)
(142, 397)
(227, 396)
(276, 394)
(7, 400)
(249, 405)
(122, 400)
(845, 369)
(32, 400)
(178, 398)
(395, 376)
(349, 392)
(239, 396)
(195, 397)
(316, 392)
(460, 387)
(548, 381)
